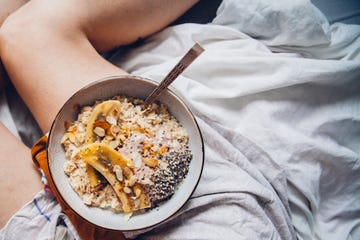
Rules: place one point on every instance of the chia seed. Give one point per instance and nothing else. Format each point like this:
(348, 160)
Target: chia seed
(167, 179)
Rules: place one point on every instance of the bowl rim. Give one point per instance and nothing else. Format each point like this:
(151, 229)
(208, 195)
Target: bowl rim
(111, 78)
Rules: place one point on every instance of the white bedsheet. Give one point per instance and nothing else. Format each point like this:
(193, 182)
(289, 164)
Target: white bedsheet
(277, 97)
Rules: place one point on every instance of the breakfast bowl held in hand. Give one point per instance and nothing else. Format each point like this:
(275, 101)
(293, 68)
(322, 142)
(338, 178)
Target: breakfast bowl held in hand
(119, 163)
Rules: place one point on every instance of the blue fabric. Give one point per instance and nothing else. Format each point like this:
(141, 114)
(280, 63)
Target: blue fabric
(345, 11)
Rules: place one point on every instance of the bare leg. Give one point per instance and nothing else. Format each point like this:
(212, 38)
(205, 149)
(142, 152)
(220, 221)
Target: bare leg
(6, 8)
(59, 44)
(9, 6)
(19, 179)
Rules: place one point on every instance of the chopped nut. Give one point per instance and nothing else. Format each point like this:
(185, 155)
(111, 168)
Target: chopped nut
(127, 172)
(118, 172)
(108, 138)
(127, 190)
(114, 143)
(154, 148)
(137, 192)
(122, 137)
(111, 120)
(132, 180)
(115, 129)
(99, 131)
(69, 136)
(80, 138)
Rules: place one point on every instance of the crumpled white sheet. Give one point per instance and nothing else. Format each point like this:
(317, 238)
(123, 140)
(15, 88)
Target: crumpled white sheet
(277, 97)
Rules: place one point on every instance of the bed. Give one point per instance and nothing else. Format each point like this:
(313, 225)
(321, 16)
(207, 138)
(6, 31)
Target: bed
(277, 98)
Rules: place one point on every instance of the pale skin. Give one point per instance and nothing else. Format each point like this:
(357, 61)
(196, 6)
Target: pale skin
(59, 45)
(6, 8)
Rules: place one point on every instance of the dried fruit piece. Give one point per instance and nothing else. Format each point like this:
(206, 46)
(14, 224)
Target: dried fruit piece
(163, 149)
(102, 124)
(151, 162)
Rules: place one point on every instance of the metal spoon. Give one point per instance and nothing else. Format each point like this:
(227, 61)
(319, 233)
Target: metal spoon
(188, 58)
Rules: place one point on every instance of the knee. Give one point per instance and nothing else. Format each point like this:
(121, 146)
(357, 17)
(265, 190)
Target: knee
(10, 32)
(18, 31)
(36, 25)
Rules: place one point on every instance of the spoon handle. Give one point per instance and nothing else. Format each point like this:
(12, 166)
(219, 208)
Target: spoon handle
(188, 58)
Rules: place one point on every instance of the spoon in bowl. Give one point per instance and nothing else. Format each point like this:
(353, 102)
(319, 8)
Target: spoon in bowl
(187, 59)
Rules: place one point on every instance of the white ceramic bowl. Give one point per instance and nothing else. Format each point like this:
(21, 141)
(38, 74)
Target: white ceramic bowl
(137, 87)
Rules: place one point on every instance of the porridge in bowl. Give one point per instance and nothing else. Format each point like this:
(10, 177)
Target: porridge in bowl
(124, 155)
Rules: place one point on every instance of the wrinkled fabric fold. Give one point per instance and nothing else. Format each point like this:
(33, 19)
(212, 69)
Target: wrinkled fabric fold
(279, 109)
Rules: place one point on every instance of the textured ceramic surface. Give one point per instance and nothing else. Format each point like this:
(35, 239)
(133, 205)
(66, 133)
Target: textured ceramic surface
(138, 88)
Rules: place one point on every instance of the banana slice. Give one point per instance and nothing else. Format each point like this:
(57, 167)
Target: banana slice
(111, 178)
(107, 154)
(105, 108)
(103, 158)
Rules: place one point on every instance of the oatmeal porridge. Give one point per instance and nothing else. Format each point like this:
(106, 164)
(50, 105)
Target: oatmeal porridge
(124, 155)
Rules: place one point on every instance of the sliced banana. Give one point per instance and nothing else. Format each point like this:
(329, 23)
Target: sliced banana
(103, 158)
(111, 178)
(104, 152)
(105, 109)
